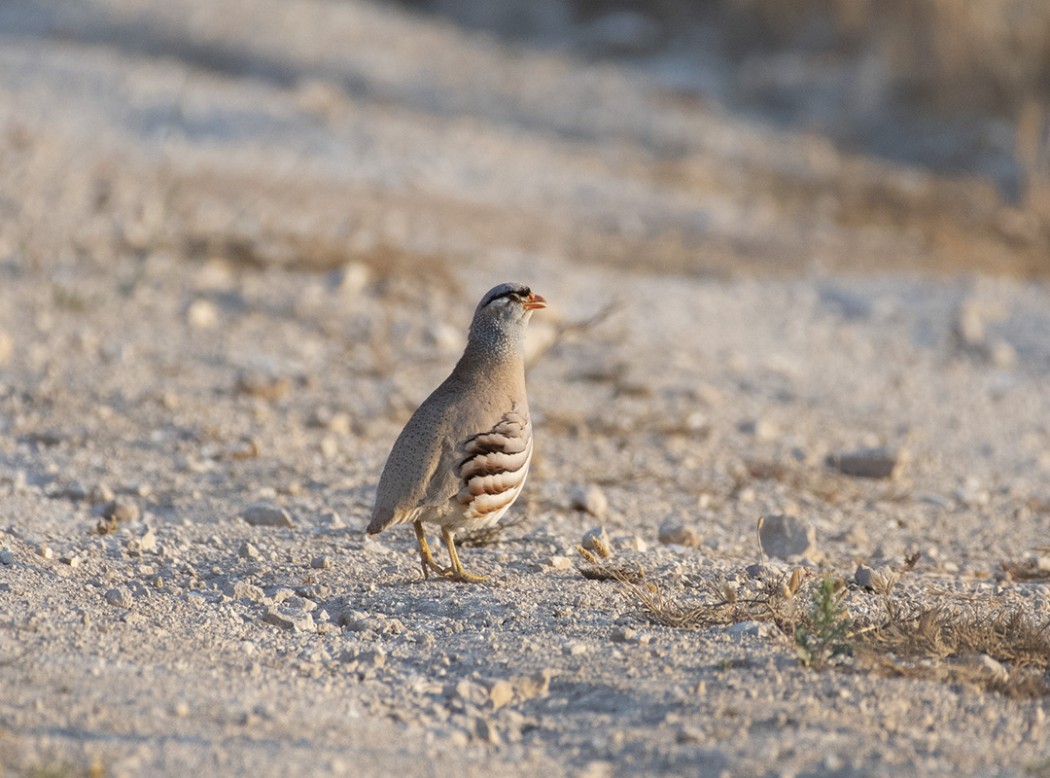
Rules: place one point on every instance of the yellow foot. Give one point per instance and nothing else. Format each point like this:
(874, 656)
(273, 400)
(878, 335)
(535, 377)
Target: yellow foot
(456, 571)
(426, 559)
(462, 576)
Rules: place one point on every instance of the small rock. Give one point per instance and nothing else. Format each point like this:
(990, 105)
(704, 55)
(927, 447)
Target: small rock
(968, 327)
(7, 556)
(242, 590)
(744, 629)
(74, 491)
(100, 493)
(867, 463)
(500, 693)
(300, 604)
(196, 599)
(689, 735)
(485, 731)
(144, 543)
(560, 562)
(119, 597)
(757, 570)
(674, 532)
(374, 659)
(590, 499)
(120, 511)
(528, 687)
(202, 314)
(787, 536)
(261, 514)
(296, 620)
(321, 563)
(46, 552)
(994, 668)
(72, 561)
(248, 551)
(862, 577)
(633, 543)
(879, 580)
(264, 385)
(471, 692)
(762, 429)
(597, 540)
(623, 635)
(331, 520)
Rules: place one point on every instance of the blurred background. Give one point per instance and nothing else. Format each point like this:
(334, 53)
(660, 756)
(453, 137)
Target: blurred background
(721, 137)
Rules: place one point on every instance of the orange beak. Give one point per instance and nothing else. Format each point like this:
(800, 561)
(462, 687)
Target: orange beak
(534, 301)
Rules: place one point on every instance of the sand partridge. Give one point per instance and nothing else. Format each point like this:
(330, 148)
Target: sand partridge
(462, 458)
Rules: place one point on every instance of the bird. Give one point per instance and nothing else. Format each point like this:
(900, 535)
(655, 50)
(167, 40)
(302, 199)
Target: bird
(462, 458)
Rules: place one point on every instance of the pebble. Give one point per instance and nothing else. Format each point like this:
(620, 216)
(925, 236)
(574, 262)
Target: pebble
(202, 314)
(633, 543)
(242, 590)
(485, 731)
(45, 551)
(597, 540)
(330, 520)
(120, 511)
(321, 563)
(262, 514)
(623, 635)
(373, 659)
(590, 499)
(876, 463)
(762, 429)
(674, 532)
(787, 536)
(880, 580)
(7, 557)
(100, 493)
(500, 693)
(261, 384)
(295, 620)
(119, 597)
(248, 551)
(560, 562)
(528, 687)
(471, 692)
(143, 543)
(995, 668)
(743, 629)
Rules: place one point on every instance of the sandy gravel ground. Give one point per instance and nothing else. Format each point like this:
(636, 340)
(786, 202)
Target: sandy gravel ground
(231, 263)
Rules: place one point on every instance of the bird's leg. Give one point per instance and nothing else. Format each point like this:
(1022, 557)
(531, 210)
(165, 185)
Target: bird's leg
(426, 559)
(456, 572)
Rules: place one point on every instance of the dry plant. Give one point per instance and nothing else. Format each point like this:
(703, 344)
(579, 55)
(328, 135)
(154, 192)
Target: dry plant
(1028, 570)
(979, 642)
(725, 606)
(961, 643)
(490, 536)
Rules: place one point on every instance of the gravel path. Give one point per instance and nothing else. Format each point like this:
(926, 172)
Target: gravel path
(215, 320)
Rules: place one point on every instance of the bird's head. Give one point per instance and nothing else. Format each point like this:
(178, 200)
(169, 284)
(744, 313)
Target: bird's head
(502, 314)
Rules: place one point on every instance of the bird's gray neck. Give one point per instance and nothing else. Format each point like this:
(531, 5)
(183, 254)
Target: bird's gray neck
(493, 350)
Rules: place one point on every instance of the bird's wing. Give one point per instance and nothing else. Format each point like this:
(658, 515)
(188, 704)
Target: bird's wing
(417, 467)
(491, 466)
(440, 456)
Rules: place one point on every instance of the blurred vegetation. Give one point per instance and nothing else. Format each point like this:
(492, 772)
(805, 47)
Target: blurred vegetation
(956, 86)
